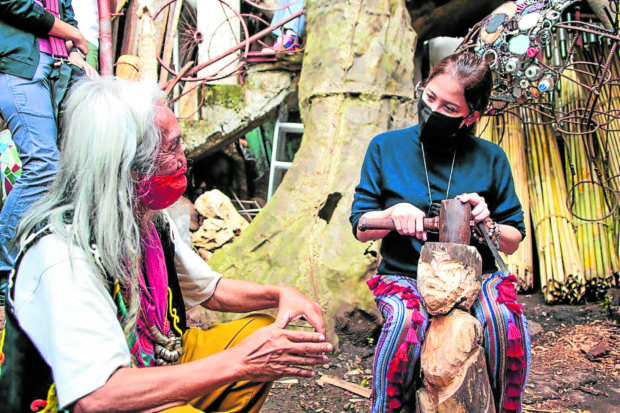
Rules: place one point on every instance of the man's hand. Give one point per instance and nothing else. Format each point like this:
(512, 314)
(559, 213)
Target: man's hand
(271, 353)
(294, 305)
(78, 60)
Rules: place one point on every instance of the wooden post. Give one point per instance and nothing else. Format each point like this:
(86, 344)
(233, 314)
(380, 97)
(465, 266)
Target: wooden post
(105, 38)
(452, 357)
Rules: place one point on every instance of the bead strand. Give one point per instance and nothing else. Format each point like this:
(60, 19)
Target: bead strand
(494, 233)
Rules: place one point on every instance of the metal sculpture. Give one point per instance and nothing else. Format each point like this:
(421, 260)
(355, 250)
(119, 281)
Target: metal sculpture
(531, 45)
(190, 37)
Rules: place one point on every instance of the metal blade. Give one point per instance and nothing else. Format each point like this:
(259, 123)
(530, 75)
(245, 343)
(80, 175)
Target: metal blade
(498, 258)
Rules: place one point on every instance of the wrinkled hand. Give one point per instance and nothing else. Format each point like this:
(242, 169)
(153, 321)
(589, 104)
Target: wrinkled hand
(77, 59)
(409, 220)
(479, 208)
(271, 353)
(293, 305)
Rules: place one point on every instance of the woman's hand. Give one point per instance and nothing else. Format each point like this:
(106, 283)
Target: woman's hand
(479, 208)
(293, 305)
(271, 353)
(78, 60)
(409, 220)
(70, 33)
(80, 42)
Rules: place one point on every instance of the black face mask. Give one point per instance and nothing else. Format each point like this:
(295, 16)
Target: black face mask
(438, 131)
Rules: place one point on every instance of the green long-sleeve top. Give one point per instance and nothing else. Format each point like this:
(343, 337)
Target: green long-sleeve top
(21, 23)
(393, 172)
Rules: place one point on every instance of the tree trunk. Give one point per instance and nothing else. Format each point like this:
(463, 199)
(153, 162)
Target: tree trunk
(449, 276)
(454, 366)
(452, 358)
(356, 81)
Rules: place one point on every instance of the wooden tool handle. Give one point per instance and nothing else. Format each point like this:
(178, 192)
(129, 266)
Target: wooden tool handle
(387, 223)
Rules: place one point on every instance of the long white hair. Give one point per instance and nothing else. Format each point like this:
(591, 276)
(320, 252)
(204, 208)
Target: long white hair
(109, 138)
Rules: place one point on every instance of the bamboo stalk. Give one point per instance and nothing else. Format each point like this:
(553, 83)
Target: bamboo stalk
(510, 130)
(607, 145)
(561, 268)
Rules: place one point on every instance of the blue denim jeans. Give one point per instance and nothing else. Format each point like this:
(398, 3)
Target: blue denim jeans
(25, 105)
(296, 25)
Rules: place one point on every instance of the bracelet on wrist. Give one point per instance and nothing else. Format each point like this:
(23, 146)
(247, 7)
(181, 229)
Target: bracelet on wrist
(498, 231)
(493, 232)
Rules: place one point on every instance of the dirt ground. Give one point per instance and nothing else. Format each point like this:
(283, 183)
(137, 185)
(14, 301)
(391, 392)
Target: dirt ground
(575, 363)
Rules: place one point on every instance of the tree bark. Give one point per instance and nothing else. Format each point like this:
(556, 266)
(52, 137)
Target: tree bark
(356, 81)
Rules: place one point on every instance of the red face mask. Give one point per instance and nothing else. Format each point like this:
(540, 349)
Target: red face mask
(160, 192)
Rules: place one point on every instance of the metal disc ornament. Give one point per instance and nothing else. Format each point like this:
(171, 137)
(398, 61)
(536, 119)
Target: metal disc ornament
(511, 39)
(493, 27)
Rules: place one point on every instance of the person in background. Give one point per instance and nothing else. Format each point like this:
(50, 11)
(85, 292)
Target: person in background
(96, 305)
(87, 15)
(405, 175)
(287, 35)
(34, 40)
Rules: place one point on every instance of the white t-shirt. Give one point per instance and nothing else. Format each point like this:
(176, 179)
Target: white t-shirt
(70, 316)
(87, 15)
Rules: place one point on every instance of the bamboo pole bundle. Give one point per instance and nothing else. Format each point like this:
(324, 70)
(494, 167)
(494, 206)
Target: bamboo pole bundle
(608, 107)
(561, 268)
(590, 202)
(508, 133)
(608, 112)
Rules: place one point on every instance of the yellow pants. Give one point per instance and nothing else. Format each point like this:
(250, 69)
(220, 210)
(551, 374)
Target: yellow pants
(243, 396)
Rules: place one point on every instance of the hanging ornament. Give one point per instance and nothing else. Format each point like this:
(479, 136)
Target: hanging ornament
(512, 39)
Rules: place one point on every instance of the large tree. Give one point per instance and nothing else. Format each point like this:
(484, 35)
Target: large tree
(356, 81)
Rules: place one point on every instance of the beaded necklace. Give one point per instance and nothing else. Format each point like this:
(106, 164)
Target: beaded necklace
(428, 185)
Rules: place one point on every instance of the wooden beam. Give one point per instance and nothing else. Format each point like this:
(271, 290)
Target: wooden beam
(353, 388)
(168, 42)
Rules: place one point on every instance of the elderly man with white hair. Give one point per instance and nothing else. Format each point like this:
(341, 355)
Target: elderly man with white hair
(97, 298)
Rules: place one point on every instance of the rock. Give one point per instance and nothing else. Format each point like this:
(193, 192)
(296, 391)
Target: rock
(534, 328)
(212, 234)
(222, 222)
(214, 204)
